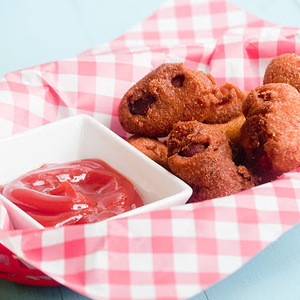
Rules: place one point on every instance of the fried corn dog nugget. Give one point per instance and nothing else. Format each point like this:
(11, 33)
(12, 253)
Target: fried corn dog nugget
(153, 148)
(284, 68)
(201, 156)
(230, 105)
(270, 135)
(168, 94)
(173, 93)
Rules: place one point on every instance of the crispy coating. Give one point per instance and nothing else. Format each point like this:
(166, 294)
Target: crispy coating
(270, 135)
(232, 129)
(173, 93)
(230, 105)
(201, 156)
(166, 95)
(284, 68)
(153, 148)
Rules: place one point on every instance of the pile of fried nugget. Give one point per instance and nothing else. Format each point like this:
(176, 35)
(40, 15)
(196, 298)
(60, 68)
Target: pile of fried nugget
(219, 140)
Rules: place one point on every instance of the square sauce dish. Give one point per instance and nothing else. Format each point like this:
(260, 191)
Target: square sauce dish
(82, 137)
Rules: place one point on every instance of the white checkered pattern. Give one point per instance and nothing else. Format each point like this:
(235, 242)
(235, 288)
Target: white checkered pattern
(173, 253)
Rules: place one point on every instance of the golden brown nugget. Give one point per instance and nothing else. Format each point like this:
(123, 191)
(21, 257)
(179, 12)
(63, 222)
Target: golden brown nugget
(284, 68)
(169, 94)
(201, 156)
(230, 105)
(270, 135)
(153, 148)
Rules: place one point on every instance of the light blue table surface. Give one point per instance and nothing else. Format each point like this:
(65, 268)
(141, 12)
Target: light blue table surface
(38, 31)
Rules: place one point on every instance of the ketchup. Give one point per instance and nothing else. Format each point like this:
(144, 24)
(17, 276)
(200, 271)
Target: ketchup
(78, 192)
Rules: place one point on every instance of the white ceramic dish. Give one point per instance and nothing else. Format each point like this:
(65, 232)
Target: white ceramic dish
(83, 137)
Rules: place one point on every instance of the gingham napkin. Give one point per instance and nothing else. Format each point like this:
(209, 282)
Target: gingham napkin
(173, 253)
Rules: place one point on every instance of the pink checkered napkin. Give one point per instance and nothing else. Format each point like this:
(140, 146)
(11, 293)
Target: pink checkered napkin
(173, 253)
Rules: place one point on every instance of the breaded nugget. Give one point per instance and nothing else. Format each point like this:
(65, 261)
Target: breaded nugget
(153, 148)
(168, 94)
(201, 156)
(173, 93)
(284, 68)
(270, 135)
(229, 107)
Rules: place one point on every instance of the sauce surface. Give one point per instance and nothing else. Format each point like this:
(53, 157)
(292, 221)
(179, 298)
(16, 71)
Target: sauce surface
(78, 192)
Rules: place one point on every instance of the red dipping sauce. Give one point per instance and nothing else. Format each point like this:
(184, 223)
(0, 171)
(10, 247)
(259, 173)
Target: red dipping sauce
(78, 192)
